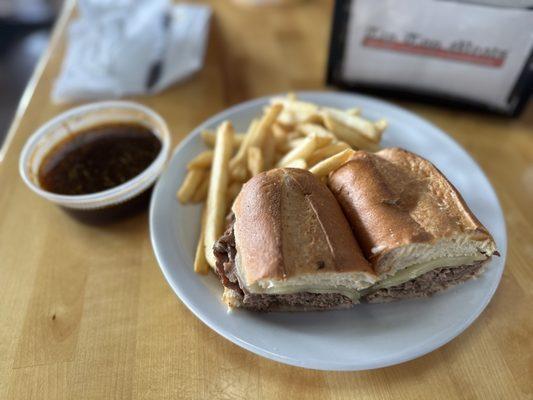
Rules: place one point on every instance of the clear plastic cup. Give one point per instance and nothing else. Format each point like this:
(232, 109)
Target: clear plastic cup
(79, 119)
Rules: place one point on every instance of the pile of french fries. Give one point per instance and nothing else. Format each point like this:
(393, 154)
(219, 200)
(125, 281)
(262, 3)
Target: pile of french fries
(290, 133)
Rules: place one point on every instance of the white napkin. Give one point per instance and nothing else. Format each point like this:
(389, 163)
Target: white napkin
(130, 47)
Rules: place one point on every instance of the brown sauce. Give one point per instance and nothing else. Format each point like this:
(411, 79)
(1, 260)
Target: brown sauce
(98, 158)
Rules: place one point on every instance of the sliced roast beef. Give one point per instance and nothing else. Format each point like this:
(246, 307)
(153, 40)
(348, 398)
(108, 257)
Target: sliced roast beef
(225, 253)
(303, 301)
(425, 285)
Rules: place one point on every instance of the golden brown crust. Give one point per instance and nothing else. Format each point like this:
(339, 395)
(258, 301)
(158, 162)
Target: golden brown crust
(257, 211)
(394, 198)
(287, 224)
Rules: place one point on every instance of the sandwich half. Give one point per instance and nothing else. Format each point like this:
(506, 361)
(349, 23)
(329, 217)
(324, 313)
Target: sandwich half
(411, 223)
(289, 247)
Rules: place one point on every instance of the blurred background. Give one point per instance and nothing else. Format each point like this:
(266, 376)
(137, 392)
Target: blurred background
(25, 27)
(371, 49)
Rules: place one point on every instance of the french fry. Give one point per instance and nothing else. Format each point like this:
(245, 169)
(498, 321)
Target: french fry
(277, 156)
(218, 188)
(200, 263)
(353, 111)
(348, 135)
(327, 151)
(190, 184)
(380, 126)
(284, 149)
(269, 151)
(201, 192)
(201, 161)
(265, 123)
(256, 134)
(298, 163)
(294, 111)
(209, 138)
(240, 157)
(291, 96)
(238, 139)
(322, 141)
(314, 129)
(233, 191)
(324, 167)
(292, 144)
(255, 160)
(294, 134)
(239, 173)
(237, 164)
(279, 135)
(304, 150)
(352, 123)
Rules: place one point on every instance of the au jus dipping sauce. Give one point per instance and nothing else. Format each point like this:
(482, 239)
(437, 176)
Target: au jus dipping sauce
(98, 158)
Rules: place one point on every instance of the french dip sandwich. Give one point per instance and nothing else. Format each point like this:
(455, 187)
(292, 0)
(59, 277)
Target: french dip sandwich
(411, 223)
(289, 247)
(390, 226)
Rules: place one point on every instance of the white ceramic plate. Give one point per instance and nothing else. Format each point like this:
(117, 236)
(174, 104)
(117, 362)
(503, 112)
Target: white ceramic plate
(369, 335)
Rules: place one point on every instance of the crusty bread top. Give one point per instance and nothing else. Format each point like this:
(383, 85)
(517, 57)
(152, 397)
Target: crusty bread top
(288, 224)
(395, 198)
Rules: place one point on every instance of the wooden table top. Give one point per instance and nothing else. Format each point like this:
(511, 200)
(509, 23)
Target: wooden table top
(86, 312)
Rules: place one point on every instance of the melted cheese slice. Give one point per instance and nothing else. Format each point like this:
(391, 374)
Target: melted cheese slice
(400, 277)
(415, 271)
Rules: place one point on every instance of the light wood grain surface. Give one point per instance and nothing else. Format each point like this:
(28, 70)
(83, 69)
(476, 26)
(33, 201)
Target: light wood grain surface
(86, 314)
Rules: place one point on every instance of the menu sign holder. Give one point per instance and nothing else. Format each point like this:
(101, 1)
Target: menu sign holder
(446, 52)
